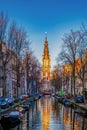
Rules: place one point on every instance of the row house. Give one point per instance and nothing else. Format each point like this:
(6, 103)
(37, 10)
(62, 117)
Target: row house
(11, 77)
(67, 70)
(2, 55)
(1, 69)
(23, 85)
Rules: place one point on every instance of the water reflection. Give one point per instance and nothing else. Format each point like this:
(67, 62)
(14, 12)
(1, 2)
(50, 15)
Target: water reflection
(48, 114)
(78, 122)
(67, 118)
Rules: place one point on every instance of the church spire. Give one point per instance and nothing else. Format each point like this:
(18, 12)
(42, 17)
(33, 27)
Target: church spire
(45, 36)
(46, 60)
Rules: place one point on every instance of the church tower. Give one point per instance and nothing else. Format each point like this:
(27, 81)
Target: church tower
(46, 61)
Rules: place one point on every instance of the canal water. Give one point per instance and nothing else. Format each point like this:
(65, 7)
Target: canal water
(48, 114)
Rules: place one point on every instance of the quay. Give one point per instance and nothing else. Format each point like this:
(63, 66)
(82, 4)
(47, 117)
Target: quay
(81, 106)
(2, 111)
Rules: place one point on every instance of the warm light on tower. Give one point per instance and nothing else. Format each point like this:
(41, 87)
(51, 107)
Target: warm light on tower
(46, 60)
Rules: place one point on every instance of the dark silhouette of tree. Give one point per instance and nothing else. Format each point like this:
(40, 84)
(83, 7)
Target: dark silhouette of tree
(69, 53)
(18, 38)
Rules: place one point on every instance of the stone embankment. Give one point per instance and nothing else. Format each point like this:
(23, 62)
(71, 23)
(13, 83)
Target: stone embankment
(81, 106)
(2, 111)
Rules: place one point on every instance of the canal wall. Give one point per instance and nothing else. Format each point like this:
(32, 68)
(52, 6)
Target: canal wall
(81, 106)
(2, 111)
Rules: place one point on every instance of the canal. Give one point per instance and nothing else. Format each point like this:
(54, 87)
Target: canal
(48, 114)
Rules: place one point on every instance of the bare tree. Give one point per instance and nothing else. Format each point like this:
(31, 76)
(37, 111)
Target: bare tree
(3, 28)
(69, 52)
(4, 51)
(35, 71)
(28, 61)
(57, 78)
(18, 39)
(82, 54)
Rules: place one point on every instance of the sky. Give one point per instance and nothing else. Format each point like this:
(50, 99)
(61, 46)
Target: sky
(55, 17)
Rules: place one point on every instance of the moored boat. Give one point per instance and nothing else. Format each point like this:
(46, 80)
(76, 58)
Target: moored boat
(80, 112)
(26, 105)
(11, 119)
(46, 93)
(20, 108)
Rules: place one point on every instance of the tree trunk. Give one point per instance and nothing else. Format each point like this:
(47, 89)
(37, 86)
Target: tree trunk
(1, 70)
(17, 87)
(74, 84)
(4, 80)
(71, 85)
(82, 85)
(28, 85)
(74, 78)
(18, 76)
